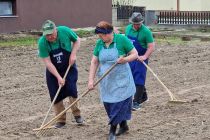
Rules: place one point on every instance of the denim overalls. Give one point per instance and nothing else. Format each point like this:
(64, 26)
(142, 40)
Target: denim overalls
(138, 69)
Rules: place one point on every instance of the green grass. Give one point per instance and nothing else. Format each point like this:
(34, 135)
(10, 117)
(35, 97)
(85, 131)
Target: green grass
(13, 40)
(23, 41)
(171, 40)
(84, 33)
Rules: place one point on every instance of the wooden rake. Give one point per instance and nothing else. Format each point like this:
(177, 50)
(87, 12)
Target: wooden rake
(56, 95)
(44, 128)
(173, 99)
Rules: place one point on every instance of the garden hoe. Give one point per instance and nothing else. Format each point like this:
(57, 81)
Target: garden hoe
(173, 99)
(44, 129)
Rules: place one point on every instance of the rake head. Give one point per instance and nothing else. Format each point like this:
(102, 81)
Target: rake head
(47, 131)
(174, 100)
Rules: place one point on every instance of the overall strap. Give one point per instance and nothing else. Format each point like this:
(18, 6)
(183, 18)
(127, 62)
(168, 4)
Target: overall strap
(137, 33)
(49, 45)
(115, 46)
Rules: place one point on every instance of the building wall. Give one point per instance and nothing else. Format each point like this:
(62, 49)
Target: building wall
(73, 13)
(156, 4)
(185, 5)
(205, 4)
(191, 5)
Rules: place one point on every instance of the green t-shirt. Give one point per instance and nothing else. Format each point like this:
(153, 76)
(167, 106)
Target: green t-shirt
(145, 35)
(123, 45)
(65, 35)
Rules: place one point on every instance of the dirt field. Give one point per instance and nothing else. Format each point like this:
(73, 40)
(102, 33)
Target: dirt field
(184, 69)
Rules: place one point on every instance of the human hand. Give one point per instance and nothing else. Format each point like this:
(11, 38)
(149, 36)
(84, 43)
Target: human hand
(61, 82)
(116, 31)
(141, 58)
(121, 60)
(90, 85)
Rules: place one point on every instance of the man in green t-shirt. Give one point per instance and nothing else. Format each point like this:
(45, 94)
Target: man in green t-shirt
(58, 48)
(142, 39)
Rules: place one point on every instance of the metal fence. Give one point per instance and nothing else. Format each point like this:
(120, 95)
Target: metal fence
(125, 12)
(184, 18)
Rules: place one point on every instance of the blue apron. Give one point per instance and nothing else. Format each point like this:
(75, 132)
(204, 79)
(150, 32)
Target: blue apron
(117, 88)
(138, 69)
(60, 59)
(119, 111)
(118, 85)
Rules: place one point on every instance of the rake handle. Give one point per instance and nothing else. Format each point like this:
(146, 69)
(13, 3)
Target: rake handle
(169, 92)
(79, 98)
(56, 95)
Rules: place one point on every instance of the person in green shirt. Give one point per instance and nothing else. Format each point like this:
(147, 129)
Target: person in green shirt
(57, 48)
(142, 39)
(117, 88)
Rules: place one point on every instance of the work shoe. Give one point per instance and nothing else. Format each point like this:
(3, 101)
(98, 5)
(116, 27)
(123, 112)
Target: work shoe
(112, 136)
(122, 130)
(79, 119)
(59, 124)
(136, 106)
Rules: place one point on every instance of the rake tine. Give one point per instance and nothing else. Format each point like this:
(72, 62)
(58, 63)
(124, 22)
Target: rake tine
(45, 131)
(47, 125)
(40, 133)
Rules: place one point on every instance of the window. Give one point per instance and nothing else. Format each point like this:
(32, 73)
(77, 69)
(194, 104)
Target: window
(7, 7)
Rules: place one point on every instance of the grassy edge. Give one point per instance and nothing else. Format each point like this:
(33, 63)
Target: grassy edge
(29, 40)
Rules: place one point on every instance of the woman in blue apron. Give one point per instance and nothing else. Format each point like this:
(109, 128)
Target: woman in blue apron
(56, 57)
(134, 32)
(117, 88)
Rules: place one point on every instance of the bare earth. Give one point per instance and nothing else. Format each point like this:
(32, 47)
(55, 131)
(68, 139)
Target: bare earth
(184, 69)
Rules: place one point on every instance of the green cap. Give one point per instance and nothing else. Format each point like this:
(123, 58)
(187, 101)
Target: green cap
(48, 27)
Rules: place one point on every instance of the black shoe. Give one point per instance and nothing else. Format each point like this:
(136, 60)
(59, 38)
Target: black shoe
(112, 132)
(79, 119)
(122, 130)
(112, 136)
(59, 124)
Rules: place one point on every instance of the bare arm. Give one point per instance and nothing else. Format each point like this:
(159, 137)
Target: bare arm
(53, 70)
(132, 55)
(75, 48)
(93, 67)
(150, 49)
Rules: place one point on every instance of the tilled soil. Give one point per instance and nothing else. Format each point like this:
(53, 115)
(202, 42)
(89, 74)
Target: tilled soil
(184, 69)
